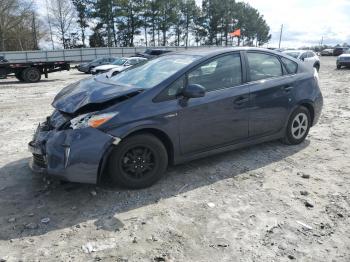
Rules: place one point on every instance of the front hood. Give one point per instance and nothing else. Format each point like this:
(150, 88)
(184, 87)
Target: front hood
(344, 55)
(89, 92)
(105, 67)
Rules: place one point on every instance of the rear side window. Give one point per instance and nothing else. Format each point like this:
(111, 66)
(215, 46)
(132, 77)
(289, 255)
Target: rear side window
(290, 65)
(303, 56)
(310, 54)
(222, 72)
(262, 66)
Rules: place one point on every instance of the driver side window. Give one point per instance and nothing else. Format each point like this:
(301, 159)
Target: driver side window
(219, 73)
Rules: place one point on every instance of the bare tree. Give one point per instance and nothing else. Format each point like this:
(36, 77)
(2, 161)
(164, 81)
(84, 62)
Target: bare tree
(12, 13)
(49, 24)
(62, 13)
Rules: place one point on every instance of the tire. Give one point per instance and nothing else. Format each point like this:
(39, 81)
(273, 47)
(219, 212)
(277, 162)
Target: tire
(317, 66)
(3, 73)
(19, 76)
(31, 75)
(89, 71)
(296, 131)
(138, 161)
(338, 66)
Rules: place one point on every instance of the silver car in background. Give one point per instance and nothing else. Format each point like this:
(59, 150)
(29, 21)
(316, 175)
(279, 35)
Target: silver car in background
(310, 59)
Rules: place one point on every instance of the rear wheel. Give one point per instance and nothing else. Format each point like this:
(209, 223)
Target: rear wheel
(338, 66)
(298, 126)
(317, 67)
(89, 70)
(3, 73)
(138, 161)
(31, 75)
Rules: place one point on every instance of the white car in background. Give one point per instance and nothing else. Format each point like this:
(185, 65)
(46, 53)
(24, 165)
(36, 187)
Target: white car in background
(118, 65)
(309, 58)
(343, 59)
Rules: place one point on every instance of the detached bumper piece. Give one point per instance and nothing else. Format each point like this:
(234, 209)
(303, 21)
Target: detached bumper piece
(71, 155)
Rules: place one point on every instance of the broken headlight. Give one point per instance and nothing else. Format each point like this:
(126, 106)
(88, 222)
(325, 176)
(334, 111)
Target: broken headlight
(91, 120)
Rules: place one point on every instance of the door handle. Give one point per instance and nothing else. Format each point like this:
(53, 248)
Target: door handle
(241, 100)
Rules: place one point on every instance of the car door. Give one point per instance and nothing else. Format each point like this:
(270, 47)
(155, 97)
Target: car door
(220, 117)
(271, 93)
(310, 59)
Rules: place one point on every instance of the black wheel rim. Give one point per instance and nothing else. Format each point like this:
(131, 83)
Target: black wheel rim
(33, 75)
(138, 162)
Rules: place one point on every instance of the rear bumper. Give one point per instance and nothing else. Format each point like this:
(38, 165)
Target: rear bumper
(71, 155)
(343, 63)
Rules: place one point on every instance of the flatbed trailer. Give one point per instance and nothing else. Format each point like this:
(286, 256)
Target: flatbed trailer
(31, 72)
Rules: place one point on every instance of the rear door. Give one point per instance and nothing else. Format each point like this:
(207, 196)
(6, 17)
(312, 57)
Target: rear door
(310, 58)
(271, 88)
(221, 116)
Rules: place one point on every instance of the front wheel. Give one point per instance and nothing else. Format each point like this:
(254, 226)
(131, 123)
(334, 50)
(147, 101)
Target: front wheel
(138, 161)
(298, 126)
(31, 75)
(338, 66)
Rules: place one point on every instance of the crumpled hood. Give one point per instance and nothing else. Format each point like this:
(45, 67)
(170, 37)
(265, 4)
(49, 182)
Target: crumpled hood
(93, 90)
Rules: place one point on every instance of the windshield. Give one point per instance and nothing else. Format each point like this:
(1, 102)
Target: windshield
(153, 72)
(293, 54)
(97, 60)
(119, 61)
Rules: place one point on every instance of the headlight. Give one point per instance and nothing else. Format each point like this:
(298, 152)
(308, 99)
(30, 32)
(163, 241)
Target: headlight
(91, 120)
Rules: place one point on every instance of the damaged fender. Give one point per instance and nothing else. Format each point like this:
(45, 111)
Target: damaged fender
(75, 155)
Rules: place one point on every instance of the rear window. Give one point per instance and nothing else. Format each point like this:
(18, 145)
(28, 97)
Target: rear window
(290, 65)
(293, 54)
(262, 66)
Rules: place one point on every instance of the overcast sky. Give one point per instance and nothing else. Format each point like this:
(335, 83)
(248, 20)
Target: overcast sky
(305, 21)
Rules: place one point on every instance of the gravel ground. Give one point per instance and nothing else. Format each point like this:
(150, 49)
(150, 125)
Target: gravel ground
(269, 202)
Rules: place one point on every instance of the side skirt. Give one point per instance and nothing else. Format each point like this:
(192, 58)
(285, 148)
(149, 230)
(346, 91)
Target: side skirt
(187, 158)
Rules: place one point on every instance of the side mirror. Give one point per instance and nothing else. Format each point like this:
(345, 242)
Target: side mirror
(193, 91)
(302, 58)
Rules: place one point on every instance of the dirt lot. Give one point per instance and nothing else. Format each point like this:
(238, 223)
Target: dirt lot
(246, 205)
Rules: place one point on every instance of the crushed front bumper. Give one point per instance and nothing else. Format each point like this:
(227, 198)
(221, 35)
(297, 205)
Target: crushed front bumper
(73, 155)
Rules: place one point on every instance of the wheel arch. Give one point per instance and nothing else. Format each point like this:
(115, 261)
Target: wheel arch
(161, 135)
(309, 106)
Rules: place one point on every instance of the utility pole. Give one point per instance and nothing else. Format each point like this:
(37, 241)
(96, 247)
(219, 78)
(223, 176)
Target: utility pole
(279, 44)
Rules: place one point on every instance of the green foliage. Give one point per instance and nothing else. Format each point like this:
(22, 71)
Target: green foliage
(172, 22)
(82, 7)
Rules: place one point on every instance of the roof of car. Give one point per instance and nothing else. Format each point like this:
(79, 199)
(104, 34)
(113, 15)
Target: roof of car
(297, 50)
(219, 50)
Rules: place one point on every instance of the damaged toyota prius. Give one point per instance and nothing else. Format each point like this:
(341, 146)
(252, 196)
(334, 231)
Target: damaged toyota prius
(172, 109)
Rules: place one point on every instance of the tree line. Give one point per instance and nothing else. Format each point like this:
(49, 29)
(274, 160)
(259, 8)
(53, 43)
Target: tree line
(20, 26)
(126, 23)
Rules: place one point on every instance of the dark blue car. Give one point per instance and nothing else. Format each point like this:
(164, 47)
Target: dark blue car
(173, 109)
